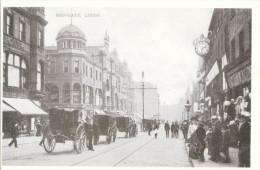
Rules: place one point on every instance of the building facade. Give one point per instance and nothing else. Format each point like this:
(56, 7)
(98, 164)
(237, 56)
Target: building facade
(85, 77)
(23, 66)
(226, 71)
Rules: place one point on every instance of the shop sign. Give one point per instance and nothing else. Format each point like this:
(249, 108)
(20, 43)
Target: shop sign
(240, 77)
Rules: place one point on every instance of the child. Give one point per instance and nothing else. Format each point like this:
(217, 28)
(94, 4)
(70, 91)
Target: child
(225, 143)
(156, 129)
(208, 139)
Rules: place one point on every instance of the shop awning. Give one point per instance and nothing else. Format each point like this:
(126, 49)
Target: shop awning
(7, 108)
(24, 106)
(100, 112)
(212, 73)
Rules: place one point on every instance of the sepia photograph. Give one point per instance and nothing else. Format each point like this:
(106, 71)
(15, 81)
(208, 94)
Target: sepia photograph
(126, 86)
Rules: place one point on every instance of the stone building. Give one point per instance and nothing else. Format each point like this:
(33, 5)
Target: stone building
(23, 66)
(226, 72)
(85, 77)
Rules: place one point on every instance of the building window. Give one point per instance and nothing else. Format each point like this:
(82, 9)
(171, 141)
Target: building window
(66, 93)
(15, 71)
(66, 66)
(100, 76)
(63, 44)
(86, 70)
(9, 24)
(76, 93)
(107, 85)
(39, 76)
(66, 44)
(22, 31)
(241, 43)
(96, 75)
(76, 66)
(90, 97)
(76, 45)
(71, 44)
(91, 72)
(4, 70)
(40, 39)
(52, 93)
(233, 49)
(84, 93)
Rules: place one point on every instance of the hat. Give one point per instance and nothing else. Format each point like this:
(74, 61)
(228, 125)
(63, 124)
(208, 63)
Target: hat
(214, 117)
(232, 122)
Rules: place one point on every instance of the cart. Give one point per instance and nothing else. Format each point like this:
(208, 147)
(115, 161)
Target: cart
(107, 126)
(64, 125)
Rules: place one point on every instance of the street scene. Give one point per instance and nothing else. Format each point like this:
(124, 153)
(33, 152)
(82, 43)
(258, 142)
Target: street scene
(132, 87)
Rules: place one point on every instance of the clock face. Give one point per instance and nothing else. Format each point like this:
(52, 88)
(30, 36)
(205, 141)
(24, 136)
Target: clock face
(202, 48)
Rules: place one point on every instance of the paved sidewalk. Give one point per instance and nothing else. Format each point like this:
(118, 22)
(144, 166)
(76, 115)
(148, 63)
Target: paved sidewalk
(233, 153)
(22, 140)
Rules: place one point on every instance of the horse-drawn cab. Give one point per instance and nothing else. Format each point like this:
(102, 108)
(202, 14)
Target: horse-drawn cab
(65, 125)
(107, 126)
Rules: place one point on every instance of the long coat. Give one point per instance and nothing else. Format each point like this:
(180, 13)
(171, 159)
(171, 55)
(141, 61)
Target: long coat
(244, 134)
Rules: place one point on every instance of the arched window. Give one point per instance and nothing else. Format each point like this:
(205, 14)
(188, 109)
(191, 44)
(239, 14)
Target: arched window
(15, 71)
(89, 95)
(52, 92)
(66, 93)
(40, 77)
(76, 93)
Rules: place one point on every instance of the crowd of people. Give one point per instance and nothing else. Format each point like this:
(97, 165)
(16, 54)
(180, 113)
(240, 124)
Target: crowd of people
(218, 136)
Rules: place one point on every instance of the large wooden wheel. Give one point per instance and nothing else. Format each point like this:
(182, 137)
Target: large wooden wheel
(49, 144)
(80, 139)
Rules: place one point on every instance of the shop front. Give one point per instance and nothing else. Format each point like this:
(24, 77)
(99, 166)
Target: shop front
(23, 111)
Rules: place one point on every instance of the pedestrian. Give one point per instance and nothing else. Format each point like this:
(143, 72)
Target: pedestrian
(244, 141)
(225, 143)
(44, 131)
(167, 129)
(192, 127)
(172, 130)
(209, 139)
(184, 128)
(96, 132)
(156, 130)
(89, 131)
(201, 134)
(14, 134)
(176, 130)
(150, 128)
(233, 131)
(215, 140)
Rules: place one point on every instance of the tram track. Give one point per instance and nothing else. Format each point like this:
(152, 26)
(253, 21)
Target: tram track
(106, 151)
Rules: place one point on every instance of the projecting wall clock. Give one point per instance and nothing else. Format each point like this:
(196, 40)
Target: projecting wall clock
(202, 46)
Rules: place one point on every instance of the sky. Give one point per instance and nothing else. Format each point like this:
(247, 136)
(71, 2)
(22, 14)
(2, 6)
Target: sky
(156, 41)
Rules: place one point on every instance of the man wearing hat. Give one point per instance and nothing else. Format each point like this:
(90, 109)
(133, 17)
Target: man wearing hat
(244, 140)
(201, 134)
(216, 139)
(89, 131)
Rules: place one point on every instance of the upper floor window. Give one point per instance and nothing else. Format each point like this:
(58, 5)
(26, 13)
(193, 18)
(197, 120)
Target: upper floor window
(96, 75)
(241, 43)
(22, 31)
(100, 76)
(15, 71)
(71, 44)
(66, 66)
(9, 24)
(86, 70)
(63, 44)
(76, 45)
(40, 77)
(40, 38)
(91, 72)
(66, 44)
(76, 66)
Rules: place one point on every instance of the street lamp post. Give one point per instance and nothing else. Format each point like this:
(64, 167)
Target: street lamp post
(158, 108)
(143, 93)
(187, 107)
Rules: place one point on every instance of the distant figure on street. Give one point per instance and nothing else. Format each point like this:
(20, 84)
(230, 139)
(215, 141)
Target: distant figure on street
(244, 141)
(156, 130)
(14, 134)
(225, 143)
(150, 128)
(95, 132)
(89, 132)
(176, 130)
(167, 129)
(192, 127)
(172, 130)
(184, 129)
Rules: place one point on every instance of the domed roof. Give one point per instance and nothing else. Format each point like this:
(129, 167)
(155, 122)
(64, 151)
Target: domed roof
(71, 31)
